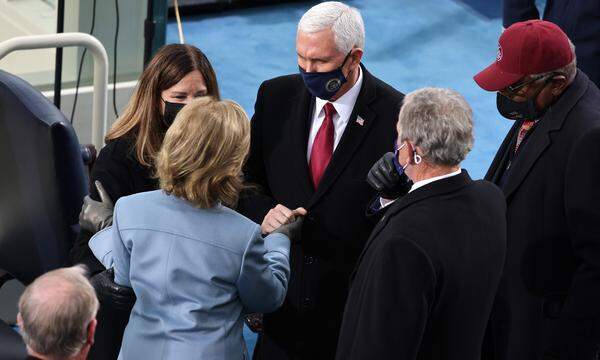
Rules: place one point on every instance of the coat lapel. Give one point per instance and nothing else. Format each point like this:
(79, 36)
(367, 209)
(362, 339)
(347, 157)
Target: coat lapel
(540, 138)
(298, 135)
(440, 187)
(495, 171)
(360, 122)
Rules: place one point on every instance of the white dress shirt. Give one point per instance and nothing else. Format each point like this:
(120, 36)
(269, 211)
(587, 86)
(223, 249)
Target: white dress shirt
(343, 108)
(385, 202)
(422, 183)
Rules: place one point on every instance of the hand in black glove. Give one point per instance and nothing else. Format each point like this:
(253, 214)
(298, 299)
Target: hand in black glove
(292, 230)
(119, 297)
(385, 178)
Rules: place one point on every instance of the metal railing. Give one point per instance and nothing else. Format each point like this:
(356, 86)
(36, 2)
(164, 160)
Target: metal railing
(99, 123)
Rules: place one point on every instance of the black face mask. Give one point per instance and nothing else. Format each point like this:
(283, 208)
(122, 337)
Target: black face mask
(171, 111)
(513, 110)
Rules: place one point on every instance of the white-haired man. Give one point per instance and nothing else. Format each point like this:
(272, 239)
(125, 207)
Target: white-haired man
(426, 280)
(314, 138)
(57, 315)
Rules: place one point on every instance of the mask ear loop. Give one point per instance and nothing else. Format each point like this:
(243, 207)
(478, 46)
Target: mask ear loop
(417, 158)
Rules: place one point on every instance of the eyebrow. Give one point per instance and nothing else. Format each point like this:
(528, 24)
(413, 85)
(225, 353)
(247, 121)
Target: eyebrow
(314, 59)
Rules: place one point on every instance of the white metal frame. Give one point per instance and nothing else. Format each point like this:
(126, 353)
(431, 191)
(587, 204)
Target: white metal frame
(99, 123)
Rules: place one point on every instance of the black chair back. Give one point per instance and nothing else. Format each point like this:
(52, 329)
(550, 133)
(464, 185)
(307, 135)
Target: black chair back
(42, 182)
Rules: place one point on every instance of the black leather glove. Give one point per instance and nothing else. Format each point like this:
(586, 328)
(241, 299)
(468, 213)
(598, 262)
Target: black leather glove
(96, 215)
(119, 297)
(384, 178)
(292, 230)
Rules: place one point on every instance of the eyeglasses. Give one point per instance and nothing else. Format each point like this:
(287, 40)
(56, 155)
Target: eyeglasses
(512, 90)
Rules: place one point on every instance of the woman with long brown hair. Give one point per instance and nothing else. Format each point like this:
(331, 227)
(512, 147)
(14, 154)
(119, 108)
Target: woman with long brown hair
(175, 76)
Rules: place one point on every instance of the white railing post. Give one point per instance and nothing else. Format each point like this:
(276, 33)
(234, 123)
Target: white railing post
(99, 123)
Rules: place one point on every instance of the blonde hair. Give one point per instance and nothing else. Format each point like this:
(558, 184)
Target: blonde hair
(203, 153)
(142, 119)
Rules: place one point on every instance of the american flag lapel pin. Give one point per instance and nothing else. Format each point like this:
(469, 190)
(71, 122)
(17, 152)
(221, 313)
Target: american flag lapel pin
(360, 121)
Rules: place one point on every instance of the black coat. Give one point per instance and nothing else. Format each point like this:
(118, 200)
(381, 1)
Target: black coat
(336, 227)
(579, 19)
(121, 174)
(426, 281)
(549, 298)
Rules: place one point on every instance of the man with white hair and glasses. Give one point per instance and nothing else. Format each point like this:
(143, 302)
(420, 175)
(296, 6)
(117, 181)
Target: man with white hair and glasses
(315, 135)
(425, 282)
(548, 303)
(57, 315)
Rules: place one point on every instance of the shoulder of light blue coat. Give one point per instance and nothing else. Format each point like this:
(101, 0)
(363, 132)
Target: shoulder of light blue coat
(156, 211)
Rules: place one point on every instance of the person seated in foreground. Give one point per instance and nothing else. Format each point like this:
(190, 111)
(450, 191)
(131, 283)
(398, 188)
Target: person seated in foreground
(57, 315)
(195, 265)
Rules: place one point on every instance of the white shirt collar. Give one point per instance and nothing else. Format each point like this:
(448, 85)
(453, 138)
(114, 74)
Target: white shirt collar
(422, 183)
(345, 104)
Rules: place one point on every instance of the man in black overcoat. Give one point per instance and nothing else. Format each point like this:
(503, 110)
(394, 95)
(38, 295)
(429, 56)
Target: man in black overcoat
(426, 280)
(548, 166)
(314, 137)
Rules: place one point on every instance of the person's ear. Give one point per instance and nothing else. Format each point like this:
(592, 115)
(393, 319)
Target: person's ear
(410, 148)
(91, 331)
(356, 57)
(417, 154)
(19, 321)
(558, 84)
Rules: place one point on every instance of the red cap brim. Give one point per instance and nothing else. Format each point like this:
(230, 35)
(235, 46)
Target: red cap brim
(492, 78)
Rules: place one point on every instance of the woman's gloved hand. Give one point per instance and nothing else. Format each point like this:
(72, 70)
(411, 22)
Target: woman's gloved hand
(96, 215)
(119, 297)
(292, 230)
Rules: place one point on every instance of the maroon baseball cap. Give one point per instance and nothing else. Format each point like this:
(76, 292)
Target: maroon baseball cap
(525, 48)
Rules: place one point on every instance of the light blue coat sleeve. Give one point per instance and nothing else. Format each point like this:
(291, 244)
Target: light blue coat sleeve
(264, 275)
(108, 247)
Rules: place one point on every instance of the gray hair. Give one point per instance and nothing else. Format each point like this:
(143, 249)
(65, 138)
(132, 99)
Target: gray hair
(570, 70)
(345, 22)
(439, 122)
(56, 310)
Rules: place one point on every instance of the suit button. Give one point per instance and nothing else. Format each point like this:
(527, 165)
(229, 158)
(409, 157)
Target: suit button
(308, 260)
(306, 303)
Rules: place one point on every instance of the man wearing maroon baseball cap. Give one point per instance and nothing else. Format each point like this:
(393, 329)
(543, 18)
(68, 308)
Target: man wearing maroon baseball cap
(548, 167)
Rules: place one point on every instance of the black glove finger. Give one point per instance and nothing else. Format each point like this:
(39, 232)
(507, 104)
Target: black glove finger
(381, 176)
(390, 175)
(374, 181)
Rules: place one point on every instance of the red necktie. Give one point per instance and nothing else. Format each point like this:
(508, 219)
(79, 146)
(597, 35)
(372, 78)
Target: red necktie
(525, 127)
(322, 148)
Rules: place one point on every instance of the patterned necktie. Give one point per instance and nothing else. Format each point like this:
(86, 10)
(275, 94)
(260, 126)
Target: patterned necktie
(525, 127)
(322, 148)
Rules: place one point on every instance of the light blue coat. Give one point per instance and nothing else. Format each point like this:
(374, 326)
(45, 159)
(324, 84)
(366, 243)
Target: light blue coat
(195, 273)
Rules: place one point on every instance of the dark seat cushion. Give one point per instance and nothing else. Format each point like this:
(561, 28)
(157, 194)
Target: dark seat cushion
(12, 346)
